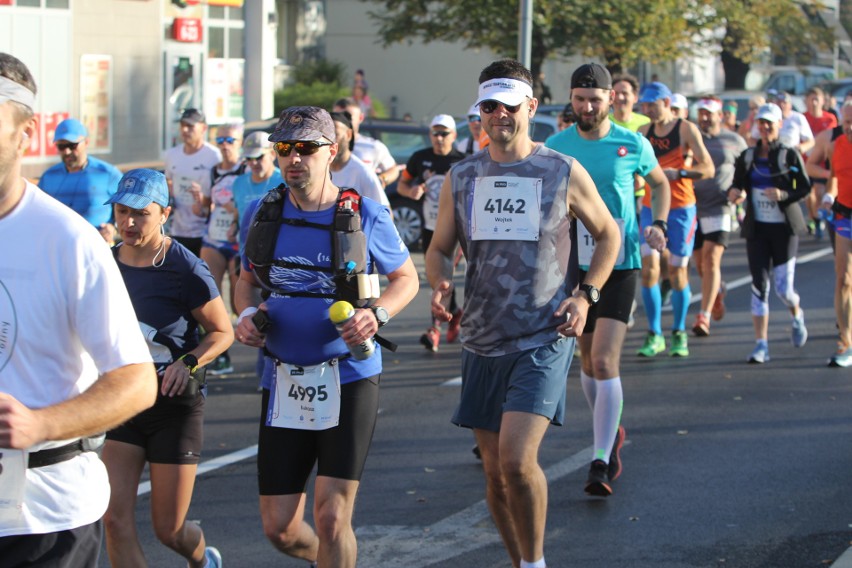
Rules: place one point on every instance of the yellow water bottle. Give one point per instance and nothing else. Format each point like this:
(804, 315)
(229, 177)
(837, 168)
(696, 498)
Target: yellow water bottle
(340, 312)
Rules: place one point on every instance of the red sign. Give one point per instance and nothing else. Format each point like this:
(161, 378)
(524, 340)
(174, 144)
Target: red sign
(187, 30)
(51, 121)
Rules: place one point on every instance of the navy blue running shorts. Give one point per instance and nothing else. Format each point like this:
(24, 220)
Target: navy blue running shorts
(531, 381)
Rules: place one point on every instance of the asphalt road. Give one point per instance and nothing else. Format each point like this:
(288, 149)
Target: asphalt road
(727, 464)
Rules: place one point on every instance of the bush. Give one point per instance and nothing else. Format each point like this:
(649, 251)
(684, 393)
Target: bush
(316, 83)
(315, 94)
(320, 71)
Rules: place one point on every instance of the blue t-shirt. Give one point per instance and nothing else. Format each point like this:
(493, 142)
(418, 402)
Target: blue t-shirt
(164, 296)
(301, 332)
(246, 191)
(85, 191)
(612, 161)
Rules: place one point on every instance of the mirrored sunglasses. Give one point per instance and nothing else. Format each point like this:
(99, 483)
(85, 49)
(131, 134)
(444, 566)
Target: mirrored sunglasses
(62, 146)
(225, 139)
(302, 148)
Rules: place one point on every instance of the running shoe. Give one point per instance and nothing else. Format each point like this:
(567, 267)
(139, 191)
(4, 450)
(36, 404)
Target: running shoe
(214, 559)
(221, 366)
(799, 334)
(431, 338)
(760, 354)
(631, 321)
(453, 327)
(666, 292)
(843, 357)
(614, 467)
(679, 346)
(477, 452)
(702, 326)
(718, 310)
(653, 344)
(597, 483)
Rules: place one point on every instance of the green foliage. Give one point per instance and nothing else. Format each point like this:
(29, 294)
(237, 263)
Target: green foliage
(320, 71)
(619, 32)
(314, 94)
(316, 83)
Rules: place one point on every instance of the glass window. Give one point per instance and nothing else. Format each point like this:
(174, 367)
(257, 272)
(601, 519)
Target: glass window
(216, 12)
(235, 43)
(30, 3)
(60, 4)
(216, 42)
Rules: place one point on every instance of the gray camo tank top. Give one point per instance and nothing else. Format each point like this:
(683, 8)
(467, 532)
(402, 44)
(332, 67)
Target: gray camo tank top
(512, 287)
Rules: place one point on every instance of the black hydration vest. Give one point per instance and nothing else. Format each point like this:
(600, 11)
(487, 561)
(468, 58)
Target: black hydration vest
(348, 246)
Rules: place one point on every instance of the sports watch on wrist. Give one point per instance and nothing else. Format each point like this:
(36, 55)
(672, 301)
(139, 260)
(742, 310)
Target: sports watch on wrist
(683, 174)
(382, 315)
(592, 293)
(191, 362)
(661, 225)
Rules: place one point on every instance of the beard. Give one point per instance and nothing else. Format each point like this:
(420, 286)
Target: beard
(586, 125)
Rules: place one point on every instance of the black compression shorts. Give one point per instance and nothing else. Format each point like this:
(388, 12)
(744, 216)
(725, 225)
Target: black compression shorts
(286, 456)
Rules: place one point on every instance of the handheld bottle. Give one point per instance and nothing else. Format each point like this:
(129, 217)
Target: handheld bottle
(340, 312)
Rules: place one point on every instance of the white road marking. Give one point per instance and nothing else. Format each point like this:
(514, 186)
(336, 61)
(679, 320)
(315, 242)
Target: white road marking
(746, 280)
(210, 465)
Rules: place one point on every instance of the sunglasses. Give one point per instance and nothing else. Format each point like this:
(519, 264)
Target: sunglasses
(224, 139)
(440, 133)
(490, 106)
(474, 118)
(302, 148)
(62, 146)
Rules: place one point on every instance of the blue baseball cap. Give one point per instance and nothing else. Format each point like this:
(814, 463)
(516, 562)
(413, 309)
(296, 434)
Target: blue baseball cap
(139, 188)
(652, 92)
(71, 130)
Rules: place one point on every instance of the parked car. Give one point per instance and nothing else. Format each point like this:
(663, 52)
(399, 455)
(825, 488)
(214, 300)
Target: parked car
(838, 89)
(742, 99)
(797, 80)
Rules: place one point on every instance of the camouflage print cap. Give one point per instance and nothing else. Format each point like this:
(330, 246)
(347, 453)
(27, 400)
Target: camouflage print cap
(303, 124)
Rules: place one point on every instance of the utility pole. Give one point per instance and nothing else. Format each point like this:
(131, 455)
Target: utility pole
(525, 33)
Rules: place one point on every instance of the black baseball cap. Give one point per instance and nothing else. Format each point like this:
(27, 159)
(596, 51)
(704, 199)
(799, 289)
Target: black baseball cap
(193, 116)
(591, 76)
(344, 118)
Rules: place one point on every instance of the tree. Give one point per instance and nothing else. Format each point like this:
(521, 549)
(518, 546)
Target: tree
(753, 27)
(619, 33)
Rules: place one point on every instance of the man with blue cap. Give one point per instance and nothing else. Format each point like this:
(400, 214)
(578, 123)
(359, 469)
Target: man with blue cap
(82, 182)
(681, 153)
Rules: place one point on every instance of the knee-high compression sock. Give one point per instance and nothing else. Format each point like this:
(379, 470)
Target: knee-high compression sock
(590, 389)
(653, 302)
(680, 305)
(608, 404)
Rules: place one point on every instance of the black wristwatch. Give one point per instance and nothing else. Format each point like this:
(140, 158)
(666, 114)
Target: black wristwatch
(382, 315)
(683, 174)
(592, 293)
(662, 225)
(191, 362)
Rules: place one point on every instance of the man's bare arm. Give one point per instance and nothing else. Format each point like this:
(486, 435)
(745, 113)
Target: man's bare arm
(115, 397)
